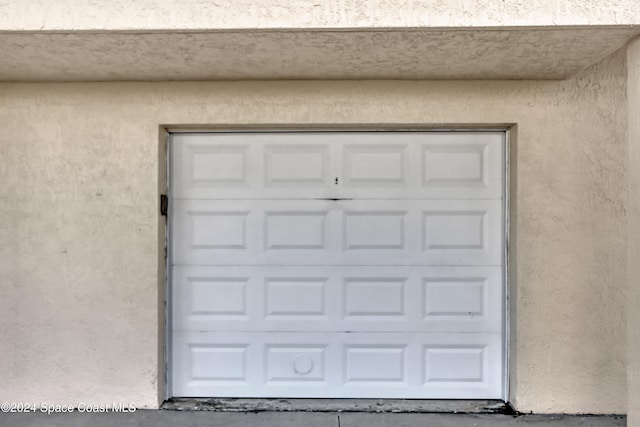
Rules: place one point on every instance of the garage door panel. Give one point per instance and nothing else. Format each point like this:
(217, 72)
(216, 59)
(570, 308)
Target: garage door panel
(375, 230)
(454, 364)
(218, 166)
(414, 165)
(369, 365)
(297, 165)
(380, 165)
(293, 364)
(342, 232)
(375, 364)
(339, 299)
(295, 297)
(459, 233)
(240, 232)
(295, 230)
(218, 230)
(376, 297)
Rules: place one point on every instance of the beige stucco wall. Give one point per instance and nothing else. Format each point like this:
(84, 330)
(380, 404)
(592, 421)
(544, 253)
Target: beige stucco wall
(79, 199)
(39, 15)
(633, 210)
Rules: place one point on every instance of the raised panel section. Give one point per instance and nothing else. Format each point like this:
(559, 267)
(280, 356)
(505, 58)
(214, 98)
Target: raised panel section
(218, 164)
(295, 230)
(218, 362)
(374, 297)
(338, 298)
(454, 364)
(374, 230)
(295, 296)
(217, 296)
(374, 364)
(295, 165)
(454, 297)
(338, 365)
(305, 165)
(342, 232)
(462, 232)
(295, 363)
(454, 165)
(218, 230)
(454, 230)
(374, 164)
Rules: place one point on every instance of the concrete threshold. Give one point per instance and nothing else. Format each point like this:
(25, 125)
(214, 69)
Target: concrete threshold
(339, 405)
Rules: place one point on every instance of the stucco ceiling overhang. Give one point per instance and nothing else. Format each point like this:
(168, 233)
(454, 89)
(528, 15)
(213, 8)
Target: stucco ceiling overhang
(463, 53)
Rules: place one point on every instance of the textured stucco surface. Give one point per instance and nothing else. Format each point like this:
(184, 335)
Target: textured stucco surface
(550, 53)
(186, 40)
(203, 14)
(79, 197)
(633, 212)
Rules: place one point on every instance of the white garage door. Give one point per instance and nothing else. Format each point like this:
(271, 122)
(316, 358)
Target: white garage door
(350, 264)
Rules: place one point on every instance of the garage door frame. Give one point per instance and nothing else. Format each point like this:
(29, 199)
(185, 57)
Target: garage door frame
(166, 132)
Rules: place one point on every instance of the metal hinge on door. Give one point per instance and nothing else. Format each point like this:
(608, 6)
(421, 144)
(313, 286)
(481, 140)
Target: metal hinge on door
(164, 205)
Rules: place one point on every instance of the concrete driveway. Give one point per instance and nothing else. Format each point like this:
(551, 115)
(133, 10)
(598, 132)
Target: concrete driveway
(166, 418)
